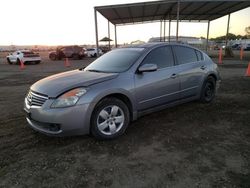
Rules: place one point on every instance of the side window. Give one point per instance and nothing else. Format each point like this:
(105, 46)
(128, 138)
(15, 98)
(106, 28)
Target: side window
(199, 55)
(162, 57)
(185, 54)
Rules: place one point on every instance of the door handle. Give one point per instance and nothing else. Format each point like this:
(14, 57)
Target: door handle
(173, 76)
(203, 67)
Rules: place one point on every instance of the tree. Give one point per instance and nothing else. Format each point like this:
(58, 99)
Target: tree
(247, 30)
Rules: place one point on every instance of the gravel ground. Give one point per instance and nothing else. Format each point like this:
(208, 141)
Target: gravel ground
(191, 145)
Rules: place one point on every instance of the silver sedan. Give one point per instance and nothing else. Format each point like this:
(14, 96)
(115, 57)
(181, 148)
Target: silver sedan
(117, 88)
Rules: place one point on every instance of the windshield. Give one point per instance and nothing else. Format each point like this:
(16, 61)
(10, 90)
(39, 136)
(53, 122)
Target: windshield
(118, 60)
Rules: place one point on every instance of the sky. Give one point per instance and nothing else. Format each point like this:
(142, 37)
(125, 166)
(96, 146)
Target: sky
(68, 22)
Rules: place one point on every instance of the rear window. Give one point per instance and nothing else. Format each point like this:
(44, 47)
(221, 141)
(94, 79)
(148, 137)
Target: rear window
(185, 54)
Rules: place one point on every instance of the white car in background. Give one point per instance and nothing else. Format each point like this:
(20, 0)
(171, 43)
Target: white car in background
(92, 52)
(26, 56)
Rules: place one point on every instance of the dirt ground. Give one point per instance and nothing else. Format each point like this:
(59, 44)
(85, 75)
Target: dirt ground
(191, 145)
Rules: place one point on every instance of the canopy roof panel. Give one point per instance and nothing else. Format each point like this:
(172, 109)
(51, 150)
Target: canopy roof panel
(190, 10)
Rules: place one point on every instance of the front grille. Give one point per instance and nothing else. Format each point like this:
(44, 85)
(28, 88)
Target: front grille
(36, 99)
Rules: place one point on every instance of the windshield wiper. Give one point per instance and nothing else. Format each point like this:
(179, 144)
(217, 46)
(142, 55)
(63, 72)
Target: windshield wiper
(93, 70)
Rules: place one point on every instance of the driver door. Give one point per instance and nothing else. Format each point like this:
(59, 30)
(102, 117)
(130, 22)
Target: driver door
(161, 86)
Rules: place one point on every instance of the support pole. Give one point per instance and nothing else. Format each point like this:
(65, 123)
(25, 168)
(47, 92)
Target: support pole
(115, 38)
(160, 29)
(96, 32)
(164, 37)
(109, 33)
(208, 27)
(177, 21)
(228, 22)
(169, 29)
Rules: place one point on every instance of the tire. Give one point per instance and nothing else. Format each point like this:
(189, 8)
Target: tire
(53, 57)
(37, 62)
(95, 55)
(208, 90)
(8, 60)
(18, 62)
(104, 124)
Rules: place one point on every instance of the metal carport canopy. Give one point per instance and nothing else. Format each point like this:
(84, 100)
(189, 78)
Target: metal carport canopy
(179, 10)
(190, 10)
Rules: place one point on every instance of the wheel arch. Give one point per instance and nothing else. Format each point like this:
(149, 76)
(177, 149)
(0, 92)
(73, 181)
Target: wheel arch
(124, 98)
(212, 75)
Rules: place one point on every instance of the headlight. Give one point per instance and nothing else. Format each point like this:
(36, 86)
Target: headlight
(69, 98)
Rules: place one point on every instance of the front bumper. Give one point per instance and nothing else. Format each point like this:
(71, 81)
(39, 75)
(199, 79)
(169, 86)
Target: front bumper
(31, 59)
(68, 121)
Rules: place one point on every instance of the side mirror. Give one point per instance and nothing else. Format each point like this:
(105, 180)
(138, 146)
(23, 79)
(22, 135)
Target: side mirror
(147, 68)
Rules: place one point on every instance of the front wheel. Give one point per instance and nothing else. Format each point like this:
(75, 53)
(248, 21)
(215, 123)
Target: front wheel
(208, 90)
(109, 119)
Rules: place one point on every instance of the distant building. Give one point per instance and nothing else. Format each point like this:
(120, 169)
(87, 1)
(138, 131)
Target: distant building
(182, 39)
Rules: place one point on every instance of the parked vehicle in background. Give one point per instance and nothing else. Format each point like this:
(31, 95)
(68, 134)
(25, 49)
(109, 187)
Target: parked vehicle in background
(246, 47)
(92, 52)
(235, 46)
(26, 56)
(120, 86)
(75, 52)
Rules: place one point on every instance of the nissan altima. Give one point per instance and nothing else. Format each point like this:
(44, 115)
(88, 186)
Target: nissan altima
(117, 88)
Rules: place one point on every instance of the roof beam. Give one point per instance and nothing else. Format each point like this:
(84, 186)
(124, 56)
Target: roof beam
(146, 17)
(117, 14)
(143, 12)
(156, 10)
(225, 9)
(130, 14)
(222, 3)
(188, 5)
(168, 12)
(237, 3)
(203, 4)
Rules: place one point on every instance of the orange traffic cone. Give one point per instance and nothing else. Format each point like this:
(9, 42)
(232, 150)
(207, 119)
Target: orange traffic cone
(220, 56)
(248, 70)
(67, 63)
(22, 65)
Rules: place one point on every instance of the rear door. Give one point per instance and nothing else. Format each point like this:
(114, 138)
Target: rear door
(191, 68)
(161, 86)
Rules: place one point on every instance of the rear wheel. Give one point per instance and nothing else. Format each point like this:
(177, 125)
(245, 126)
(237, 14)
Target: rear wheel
(208, 90)
(18, 62)
(53, 57)
(109, 119)
(8, 60)
(37, 62)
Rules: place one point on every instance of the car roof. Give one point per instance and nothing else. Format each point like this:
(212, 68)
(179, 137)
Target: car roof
(158, 44)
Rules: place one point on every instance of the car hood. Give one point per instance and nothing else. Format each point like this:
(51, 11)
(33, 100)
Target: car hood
(57, 84)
